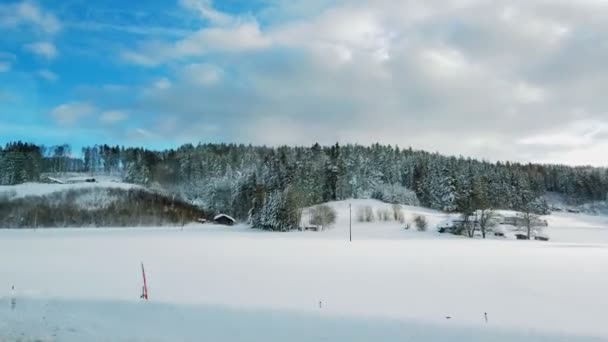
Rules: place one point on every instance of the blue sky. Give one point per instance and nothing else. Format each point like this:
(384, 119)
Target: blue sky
(522, 81)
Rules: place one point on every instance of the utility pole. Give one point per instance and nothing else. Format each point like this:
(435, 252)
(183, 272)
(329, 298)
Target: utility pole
(350, 223)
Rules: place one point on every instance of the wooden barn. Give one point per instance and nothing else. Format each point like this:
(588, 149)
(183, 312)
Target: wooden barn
(224, 219)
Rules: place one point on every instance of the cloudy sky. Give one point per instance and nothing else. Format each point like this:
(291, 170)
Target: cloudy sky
(521, 80)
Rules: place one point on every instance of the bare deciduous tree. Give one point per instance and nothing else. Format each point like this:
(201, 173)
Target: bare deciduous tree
(486, 220)
(323, 215)
(365, 214)
(420, 222)
(397, 213)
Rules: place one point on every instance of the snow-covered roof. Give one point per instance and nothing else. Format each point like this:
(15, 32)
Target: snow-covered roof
(224, 215)
(55, 180)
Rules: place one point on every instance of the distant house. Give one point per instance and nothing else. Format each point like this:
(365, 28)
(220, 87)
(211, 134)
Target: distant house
(513, 221)
(77, 180)
(51, 180)
(224, 219)
(521, 222)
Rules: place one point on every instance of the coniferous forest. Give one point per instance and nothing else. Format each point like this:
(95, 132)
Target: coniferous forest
(268, 186)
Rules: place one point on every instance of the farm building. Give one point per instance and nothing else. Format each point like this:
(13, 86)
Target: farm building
(520, 222)
(224, 219)
(51, 180)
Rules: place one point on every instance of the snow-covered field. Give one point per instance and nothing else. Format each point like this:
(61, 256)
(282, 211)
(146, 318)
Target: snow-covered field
(211, 283)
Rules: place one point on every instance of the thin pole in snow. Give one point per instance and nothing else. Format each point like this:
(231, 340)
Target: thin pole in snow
(350, 223)
(144, 293)
(13, 298)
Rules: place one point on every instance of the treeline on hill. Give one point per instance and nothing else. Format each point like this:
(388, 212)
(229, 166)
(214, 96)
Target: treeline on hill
(269, 186)
(23, 162)
(98, 207)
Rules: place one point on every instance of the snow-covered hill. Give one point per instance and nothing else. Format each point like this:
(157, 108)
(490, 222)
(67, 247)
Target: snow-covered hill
(41, 189)
(378, 228)
(97, 204)
(562, 226)
(218, 283)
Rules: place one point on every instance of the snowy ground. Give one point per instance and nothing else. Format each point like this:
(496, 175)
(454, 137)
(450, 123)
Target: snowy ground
(233, 284)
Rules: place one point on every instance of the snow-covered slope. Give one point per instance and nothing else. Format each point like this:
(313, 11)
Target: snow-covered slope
(563, 227)
(561, 203)
(379, 229)
(41, 189)
(219, 283)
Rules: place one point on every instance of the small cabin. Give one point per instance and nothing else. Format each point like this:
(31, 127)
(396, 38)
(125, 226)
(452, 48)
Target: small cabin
(51, 180)
(521, 222)
(224, 219)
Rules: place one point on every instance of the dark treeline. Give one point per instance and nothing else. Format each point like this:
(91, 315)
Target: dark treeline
(268, 185)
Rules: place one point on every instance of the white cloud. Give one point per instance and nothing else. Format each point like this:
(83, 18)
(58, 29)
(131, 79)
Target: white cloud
(162, 83)
(201, 73)
(244, 36)
(575, 134)
(534, 26)
(206, 11)
(113, 116)
(224, 34)
(140, 58)
(29, 14)
(527, 93)
(433, 74)
(72, 112)
(131, 28)
(241, 37)
(141, 134)
(446, 62)
(355, 30)
(5, 66)
(48, 75)
(44, 49)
